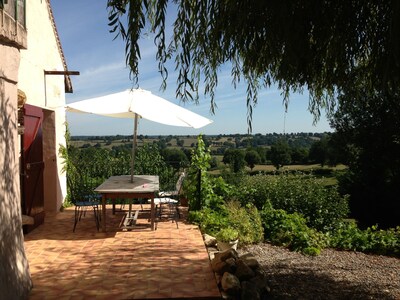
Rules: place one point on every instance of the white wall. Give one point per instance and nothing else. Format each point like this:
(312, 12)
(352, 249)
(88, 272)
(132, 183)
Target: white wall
(46, 91)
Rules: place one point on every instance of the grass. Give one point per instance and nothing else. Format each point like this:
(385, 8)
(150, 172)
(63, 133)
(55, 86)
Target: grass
(328, 180)
(188, 141)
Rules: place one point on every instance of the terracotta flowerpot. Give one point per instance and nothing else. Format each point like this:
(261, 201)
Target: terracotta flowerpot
(184, 202)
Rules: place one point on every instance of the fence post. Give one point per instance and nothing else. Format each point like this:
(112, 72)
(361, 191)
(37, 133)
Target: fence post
(199, 205)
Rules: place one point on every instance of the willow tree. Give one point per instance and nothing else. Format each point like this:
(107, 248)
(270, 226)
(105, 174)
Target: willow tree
(295, 44)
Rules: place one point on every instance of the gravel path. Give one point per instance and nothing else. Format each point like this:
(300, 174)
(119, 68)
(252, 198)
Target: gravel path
(331, 275)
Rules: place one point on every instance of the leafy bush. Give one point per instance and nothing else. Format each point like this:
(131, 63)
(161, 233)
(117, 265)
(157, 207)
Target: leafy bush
(197, 185)
(246, 220)
(227, 234)
(291, 230)
(372, 240)
(210, 221)
(200, 188)
(322, 207)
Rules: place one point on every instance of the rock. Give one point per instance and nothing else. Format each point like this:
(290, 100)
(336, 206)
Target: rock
(239, 277)
(209, 240)
(218, 278)
(226, 296)
(243, 271)
(260, 281)
(224, 255)
(259, 271)
(250, 260)
(211, 252)
(221, 267)
(231, 262)
(249, 291)
(230, 284)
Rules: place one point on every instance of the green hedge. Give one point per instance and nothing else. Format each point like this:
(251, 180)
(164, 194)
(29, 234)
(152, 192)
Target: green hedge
(246, 220)
(372, 240)
(322, 207)
(291, 230)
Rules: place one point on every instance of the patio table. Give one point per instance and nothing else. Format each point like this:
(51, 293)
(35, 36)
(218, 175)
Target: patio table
(143, 186)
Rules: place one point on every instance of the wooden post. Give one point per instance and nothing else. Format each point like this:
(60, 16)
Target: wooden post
(198, 206)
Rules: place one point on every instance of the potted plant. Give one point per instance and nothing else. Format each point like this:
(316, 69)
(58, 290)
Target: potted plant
(183, 200)
(227, 238)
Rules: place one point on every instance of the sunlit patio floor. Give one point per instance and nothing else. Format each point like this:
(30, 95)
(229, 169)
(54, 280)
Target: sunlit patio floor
(167, 263)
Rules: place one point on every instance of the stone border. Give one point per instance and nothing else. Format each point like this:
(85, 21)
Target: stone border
(238, 277)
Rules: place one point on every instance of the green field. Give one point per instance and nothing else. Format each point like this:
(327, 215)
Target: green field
(214, 141)
(188, 142)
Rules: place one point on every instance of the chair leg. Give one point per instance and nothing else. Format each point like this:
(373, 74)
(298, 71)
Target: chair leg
(175, 213)
(81, 211)
(77, 217)
(176, 216)
(96, 216)
(141, 203)
(171, 211)
(122, 205)
(157, 215)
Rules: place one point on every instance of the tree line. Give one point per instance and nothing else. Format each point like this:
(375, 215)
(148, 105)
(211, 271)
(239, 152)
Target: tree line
(237, 150)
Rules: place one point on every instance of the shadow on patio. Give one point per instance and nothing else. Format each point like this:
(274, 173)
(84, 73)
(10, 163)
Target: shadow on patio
(168, 263)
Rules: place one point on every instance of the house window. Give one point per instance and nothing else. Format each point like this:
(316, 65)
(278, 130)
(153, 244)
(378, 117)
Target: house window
(15, 9)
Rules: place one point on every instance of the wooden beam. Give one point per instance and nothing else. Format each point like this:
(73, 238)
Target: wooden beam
(62, 72)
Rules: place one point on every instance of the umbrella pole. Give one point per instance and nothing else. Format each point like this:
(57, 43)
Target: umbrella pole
(134, 146)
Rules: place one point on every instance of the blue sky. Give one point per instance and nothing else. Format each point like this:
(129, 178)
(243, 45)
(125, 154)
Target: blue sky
(89, 48)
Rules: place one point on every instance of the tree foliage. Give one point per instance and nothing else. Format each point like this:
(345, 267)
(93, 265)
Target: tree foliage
(368, 131)
(197, 184)
(319, 151)
(175, 157)
(318, 45)
(279, 154)
(235, 159)
(252, 158)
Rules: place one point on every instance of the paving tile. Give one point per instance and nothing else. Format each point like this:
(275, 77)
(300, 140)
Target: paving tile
(136, 264)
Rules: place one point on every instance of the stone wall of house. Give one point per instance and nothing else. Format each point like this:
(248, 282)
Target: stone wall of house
(15, 281)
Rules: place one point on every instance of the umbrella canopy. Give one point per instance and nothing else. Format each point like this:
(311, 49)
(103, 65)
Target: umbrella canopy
(143, 103)
(136, 103)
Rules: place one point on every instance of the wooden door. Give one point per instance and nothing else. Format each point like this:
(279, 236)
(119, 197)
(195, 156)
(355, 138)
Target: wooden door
(32, 166)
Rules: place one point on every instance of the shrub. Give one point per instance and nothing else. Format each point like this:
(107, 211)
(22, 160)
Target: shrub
(247, 221)
(227, 234)
(372, 240)
(291, 230)
(385, 242)
(209, 220)
(322, 207)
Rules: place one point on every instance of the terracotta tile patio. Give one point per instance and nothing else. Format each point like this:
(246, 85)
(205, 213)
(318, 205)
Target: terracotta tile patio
(168, 263)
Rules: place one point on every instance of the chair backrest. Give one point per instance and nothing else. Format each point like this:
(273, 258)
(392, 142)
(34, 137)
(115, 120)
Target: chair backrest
(179, 183)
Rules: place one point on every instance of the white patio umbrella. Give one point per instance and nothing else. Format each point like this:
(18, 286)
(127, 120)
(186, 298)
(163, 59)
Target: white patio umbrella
(135, 103)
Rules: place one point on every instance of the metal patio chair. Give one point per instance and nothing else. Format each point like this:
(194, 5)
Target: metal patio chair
(167, 202)
(81, 207)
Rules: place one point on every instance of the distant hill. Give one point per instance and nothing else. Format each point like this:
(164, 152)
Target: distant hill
(302, 139)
